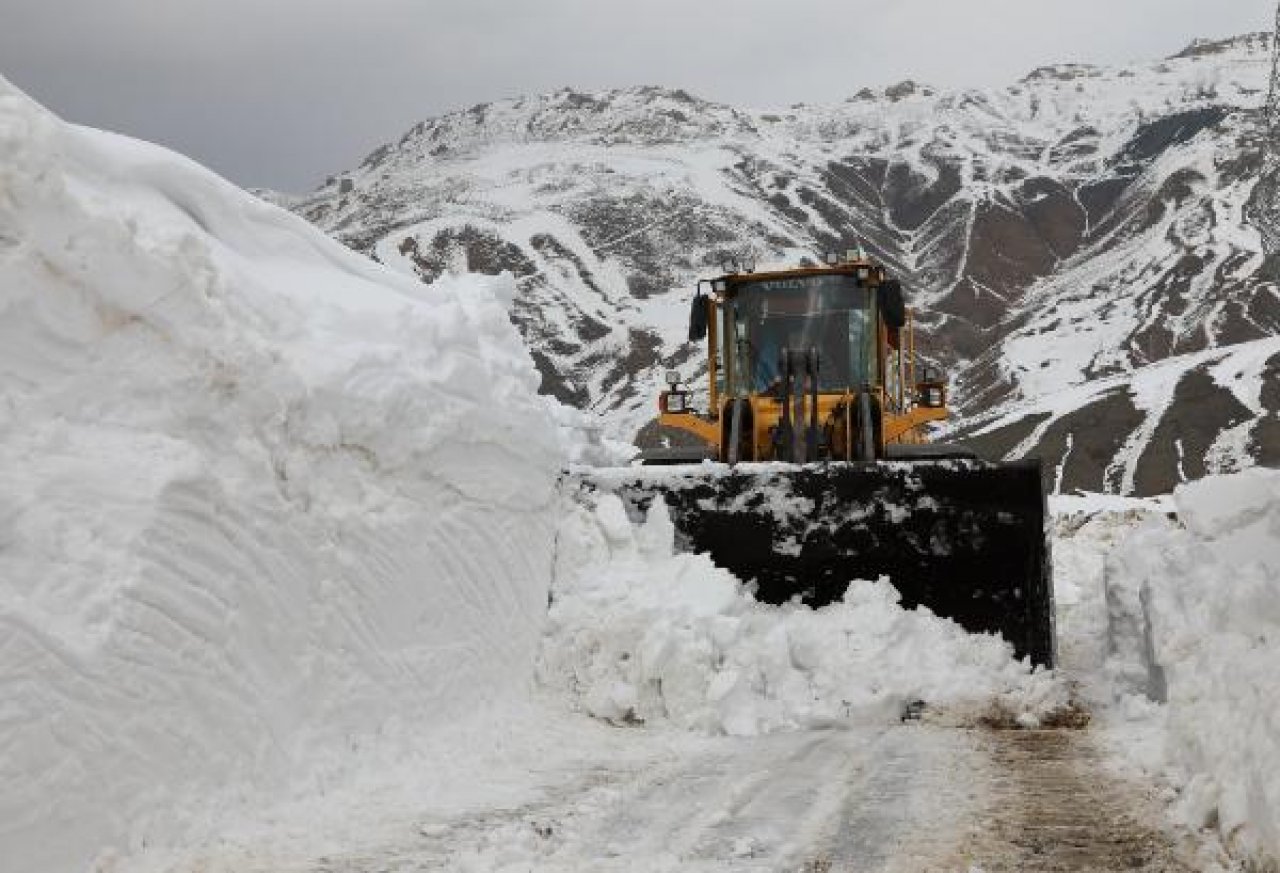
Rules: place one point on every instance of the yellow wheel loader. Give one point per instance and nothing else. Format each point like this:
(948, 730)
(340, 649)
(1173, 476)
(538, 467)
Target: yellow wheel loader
(810, 466)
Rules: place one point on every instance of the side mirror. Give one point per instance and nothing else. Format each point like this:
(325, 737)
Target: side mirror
(698, 317)
(893, 305)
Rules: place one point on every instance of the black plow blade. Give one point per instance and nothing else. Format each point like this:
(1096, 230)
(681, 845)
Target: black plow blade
(965, 538)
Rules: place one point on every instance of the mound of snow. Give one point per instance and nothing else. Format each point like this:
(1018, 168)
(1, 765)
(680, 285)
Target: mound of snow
(1195, 623)
(640, 633)
(263, 503)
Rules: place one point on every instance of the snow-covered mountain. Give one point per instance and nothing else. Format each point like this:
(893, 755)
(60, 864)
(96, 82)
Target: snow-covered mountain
(1075, 240)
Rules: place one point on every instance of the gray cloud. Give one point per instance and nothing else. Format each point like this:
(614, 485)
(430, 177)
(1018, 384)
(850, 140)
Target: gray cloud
(281, 93)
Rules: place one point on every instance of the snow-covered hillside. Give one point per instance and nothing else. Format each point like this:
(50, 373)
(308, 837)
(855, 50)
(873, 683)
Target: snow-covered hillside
(263, 503)
(1079, 225)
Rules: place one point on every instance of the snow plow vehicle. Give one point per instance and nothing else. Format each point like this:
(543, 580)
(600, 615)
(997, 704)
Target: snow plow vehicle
(811, 466)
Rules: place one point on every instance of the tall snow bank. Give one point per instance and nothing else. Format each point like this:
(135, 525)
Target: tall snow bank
(641, 633)
(1195, 623)
(262, 502)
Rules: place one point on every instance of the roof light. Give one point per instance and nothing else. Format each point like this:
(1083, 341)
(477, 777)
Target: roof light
(833, 258)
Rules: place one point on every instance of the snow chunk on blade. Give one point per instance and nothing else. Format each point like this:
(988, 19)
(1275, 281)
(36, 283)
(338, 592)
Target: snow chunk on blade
(965, 538)
(640, 632)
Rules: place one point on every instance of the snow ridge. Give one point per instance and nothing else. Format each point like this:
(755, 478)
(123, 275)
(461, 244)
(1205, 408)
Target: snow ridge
(264, 504)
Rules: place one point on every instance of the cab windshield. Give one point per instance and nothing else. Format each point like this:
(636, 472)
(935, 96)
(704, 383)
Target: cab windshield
(829, 313)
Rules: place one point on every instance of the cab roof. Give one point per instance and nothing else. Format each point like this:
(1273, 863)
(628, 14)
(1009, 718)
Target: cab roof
(874, 273)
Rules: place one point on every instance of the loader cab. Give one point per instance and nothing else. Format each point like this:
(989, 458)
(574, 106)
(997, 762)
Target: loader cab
(808, 364)
(832, 314)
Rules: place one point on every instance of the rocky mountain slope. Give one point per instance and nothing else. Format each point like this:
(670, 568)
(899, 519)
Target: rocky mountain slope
(1075, 242)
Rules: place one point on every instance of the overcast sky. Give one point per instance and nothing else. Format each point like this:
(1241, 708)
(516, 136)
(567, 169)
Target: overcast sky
(281, 93)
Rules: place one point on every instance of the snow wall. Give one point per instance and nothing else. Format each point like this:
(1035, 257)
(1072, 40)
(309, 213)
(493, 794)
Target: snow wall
(263, 503)
(1194, 623)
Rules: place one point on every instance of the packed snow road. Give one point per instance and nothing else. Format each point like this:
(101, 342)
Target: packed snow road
(913, 798)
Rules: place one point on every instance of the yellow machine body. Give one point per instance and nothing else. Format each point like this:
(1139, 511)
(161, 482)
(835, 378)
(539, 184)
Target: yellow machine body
(815, 371)
(906, 396)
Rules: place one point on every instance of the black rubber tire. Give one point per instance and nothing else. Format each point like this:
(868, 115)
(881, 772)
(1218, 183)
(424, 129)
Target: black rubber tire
(866, 428)
(734, 449)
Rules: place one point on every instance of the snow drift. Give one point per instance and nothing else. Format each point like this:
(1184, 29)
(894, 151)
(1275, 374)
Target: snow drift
(1194, 622)
(639, 634)
(262, 502)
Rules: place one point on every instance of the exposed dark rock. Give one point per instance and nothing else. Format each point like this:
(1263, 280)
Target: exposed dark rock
(1100, 197)
(995, 445)
(481, 252)
(1241, 163)
(555, 384)
(1054, 215)
(912, 197)
(551, 248)
(1080, 143)
(1176, 190)
(1200, 410)
(1097, 433)
(901, 90)
(1266, 435)
(1063, 73)
(1203, 48)
(1007, 252)
(1156, 137)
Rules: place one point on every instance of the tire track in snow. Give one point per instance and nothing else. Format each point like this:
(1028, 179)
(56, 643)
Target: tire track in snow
(914, 799)
(1053, 808)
